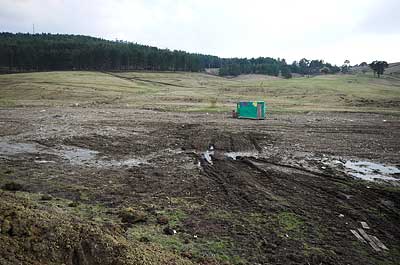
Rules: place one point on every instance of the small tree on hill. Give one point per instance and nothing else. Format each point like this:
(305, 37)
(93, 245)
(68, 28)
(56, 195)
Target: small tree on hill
(378, 67)
(346, 67)
(304, 65)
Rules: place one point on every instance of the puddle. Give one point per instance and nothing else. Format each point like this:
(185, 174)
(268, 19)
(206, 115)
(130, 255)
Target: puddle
(370, 171)
(235, 155)
(118, 163)
(81, 156)
(74, 155)
(78, 156)
(17, 148)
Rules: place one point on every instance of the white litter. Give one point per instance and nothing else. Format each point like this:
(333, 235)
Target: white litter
(364, 225)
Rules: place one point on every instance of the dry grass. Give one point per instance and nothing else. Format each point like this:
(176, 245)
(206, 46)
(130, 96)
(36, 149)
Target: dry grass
(193, 91)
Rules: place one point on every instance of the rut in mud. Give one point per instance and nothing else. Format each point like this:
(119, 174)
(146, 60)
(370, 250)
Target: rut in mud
(257, 185)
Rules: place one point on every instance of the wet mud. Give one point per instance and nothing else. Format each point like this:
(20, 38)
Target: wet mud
(285, 190)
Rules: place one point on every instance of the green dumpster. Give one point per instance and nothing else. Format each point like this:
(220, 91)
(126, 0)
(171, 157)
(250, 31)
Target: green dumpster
(251, 110)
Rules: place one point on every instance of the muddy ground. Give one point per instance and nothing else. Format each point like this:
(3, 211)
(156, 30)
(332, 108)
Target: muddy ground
(275, 192)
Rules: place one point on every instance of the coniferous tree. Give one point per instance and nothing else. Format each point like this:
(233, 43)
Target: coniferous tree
(47, 52)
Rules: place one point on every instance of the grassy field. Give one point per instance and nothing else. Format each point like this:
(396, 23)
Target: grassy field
(200, 92)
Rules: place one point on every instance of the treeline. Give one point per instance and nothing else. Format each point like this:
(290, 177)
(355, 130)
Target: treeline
(47, 52)
(276, 67)
(42, 52)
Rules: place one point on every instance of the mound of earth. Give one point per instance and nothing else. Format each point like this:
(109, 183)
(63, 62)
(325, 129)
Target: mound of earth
(32, 233)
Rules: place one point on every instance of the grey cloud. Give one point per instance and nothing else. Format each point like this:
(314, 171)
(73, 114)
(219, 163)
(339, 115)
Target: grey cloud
(384, 18)
(229, 28)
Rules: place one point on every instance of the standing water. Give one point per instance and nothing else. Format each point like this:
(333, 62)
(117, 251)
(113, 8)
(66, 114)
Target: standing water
(371, 171)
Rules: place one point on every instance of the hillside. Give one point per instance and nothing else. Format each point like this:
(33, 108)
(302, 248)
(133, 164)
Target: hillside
(393, 70)
(192, 92)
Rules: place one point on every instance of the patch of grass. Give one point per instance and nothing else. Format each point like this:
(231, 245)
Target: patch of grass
(93, 212)
(51, 230)
(175, 217)
(251, 220)
(7, 103)
(186, 203)
(289, 222)
(185, 244)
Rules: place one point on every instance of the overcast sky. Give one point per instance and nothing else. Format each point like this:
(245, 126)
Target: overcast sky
(357, 30)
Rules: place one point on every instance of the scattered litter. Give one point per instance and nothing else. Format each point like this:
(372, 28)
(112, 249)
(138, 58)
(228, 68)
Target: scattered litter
(341, 215)
(207, 155)
(364, 225)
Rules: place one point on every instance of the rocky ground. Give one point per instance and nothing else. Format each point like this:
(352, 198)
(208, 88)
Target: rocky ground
(127, 186)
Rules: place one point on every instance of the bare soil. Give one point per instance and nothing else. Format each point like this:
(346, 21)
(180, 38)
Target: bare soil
(282, 205)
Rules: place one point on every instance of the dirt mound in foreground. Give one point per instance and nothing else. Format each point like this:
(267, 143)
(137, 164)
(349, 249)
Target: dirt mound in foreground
(34, 234)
